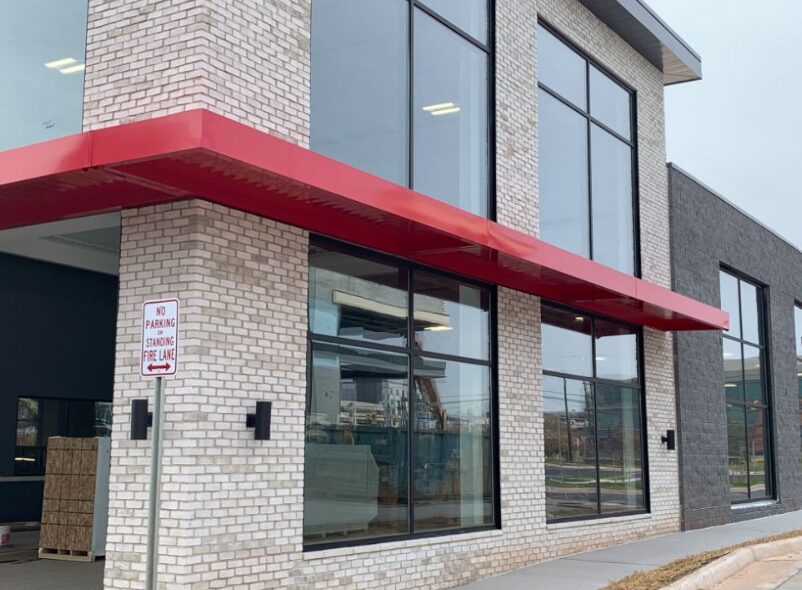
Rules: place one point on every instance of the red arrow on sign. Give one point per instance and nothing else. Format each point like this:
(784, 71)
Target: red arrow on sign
(164, 367)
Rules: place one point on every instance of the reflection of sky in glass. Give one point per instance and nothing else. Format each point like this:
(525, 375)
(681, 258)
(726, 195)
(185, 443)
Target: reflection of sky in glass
(43, 102)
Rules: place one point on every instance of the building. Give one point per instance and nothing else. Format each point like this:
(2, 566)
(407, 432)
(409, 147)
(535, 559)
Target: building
(436, 240)
(740, 450)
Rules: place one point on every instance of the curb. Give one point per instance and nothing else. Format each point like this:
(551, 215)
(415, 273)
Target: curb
(729, 565)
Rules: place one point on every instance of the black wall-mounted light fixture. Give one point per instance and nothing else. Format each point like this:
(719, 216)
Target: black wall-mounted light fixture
(141, 419)
(260, 421)
(670, 440)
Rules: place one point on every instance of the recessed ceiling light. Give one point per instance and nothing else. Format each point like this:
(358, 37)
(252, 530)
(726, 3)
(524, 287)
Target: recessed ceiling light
(438, 106)
(73, 69)
(445, 111)
(579, 318)
(60, 63)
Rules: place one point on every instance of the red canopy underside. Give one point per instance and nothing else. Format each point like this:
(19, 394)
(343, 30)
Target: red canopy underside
(198, 154)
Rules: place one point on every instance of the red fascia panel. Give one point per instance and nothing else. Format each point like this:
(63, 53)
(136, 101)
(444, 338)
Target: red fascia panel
(198, 154)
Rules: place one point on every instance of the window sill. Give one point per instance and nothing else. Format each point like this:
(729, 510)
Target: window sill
(20, 478)
(558, 526)
(394, 545)
(752, 505)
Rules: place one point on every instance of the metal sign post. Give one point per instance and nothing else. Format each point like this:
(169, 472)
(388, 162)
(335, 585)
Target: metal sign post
(159, 357)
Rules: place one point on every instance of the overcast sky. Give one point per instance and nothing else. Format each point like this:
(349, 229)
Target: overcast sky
(739, 130)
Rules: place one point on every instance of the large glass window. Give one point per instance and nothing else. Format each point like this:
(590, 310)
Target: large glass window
(40, 418)
(798, 348)
(745, 391)
(400, 89)
(43, 44)
(587, 154)
(593, 416)
(399, 412)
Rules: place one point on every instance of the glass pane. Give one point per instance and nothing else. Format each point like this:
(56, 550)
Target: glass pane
(728, 285)
(103, 418)
(570, 448)
(80, 418)
(736, 432)
(610, 102)
(468, 15)
(355, 470)
(451, 317)
(758, 453)
(620, 448)
(561, 69)
(356, 297)
(43, 44)
(753, 375)
(450, 116)
(452, 471)
(616, 352)
(733, 370)
(359, 84)
(613, 234)
(564, 217)
(750, 312)
(798, 338)
(567, 346)
(27, 422)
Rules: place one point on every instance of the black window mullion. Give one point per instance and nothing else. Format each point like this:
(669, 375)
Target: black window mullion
(412, 395)
(410, 92)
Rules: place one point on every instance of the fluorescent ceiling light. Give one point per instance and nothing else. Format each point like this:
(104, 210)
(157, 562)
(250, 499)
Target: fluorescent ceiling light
(579, 318)
(730, 385)
(438, 328)
(445, 111)
(73, 69)
(438, 106)
(601, 358)
(60, 63)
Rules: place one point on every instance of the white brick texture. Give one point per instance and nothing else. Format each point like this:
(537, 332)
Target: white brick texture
(232, 514)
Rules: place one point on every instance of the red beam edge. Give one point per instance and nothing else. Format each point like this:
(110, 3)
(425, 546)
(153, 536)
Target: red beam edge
(200, 128)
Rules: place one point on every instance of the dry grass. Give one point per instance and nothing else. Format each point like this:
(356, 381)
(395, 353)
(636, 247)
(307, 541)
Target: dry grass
(671, 572)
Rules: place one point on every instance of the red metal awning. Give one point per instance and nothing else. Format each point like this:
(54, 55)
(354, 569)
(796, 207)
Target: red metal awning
(198, 154)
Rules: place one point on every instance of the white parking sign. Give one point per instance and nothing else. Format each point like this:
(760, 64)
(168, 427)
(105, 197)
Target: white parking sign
(159, 338)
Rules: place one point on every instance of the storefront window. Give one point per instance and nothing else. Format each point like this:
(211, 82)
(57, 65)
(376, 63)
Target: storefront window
(593, 416)
(43, 44)
(40, 418)
(398, 416)
(422, 123)
(798, 346)
(743, 347)
(587, 154)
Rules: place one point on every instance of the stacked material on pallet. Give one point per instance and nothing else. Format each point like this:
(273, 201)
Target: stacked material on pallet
(74, 503)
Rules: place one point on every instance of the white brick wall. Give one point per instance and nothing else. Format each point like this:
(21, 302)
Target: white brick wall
(232, 513)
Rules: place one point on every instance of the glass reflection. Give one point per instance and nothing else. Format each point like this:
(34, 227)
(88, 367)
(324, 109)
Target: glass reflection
(561, 69)
(739, 481)
(728, 286)
(450, 117)
(356, 297)
(750, 313)
(451, 317)
(564, 204)
(570, 445)
(753, 374)
(733, 370)
(610, 102)
(620, 448)
(355, 471)
(613, 233)
(567, 346)
(468, 15)
(44, 45)
(616, 352)
(758, 453)
(452, 469)
(359, 84)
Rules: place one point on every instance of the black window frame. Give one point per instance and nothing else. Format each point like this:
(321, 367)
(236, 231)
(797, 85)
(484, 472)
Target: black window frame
(767, 406)
(640, 388)
(590, 120)
(491, 363)
(489, 48)
(798, 371)
(63, 426)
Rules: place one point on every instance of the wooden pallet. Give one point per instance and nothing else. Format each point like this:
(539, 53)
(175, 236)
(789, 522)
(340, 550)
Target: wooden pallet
(66, 554)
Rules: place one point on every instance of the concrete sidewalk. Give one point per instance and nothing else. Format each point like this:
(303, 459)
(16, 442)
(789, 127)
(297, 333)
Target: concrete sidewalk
(594, 570)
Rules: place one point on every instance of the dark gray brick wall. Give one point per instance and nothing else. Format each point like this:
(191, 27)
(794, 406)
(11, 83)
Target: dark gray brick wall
(706, 232)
